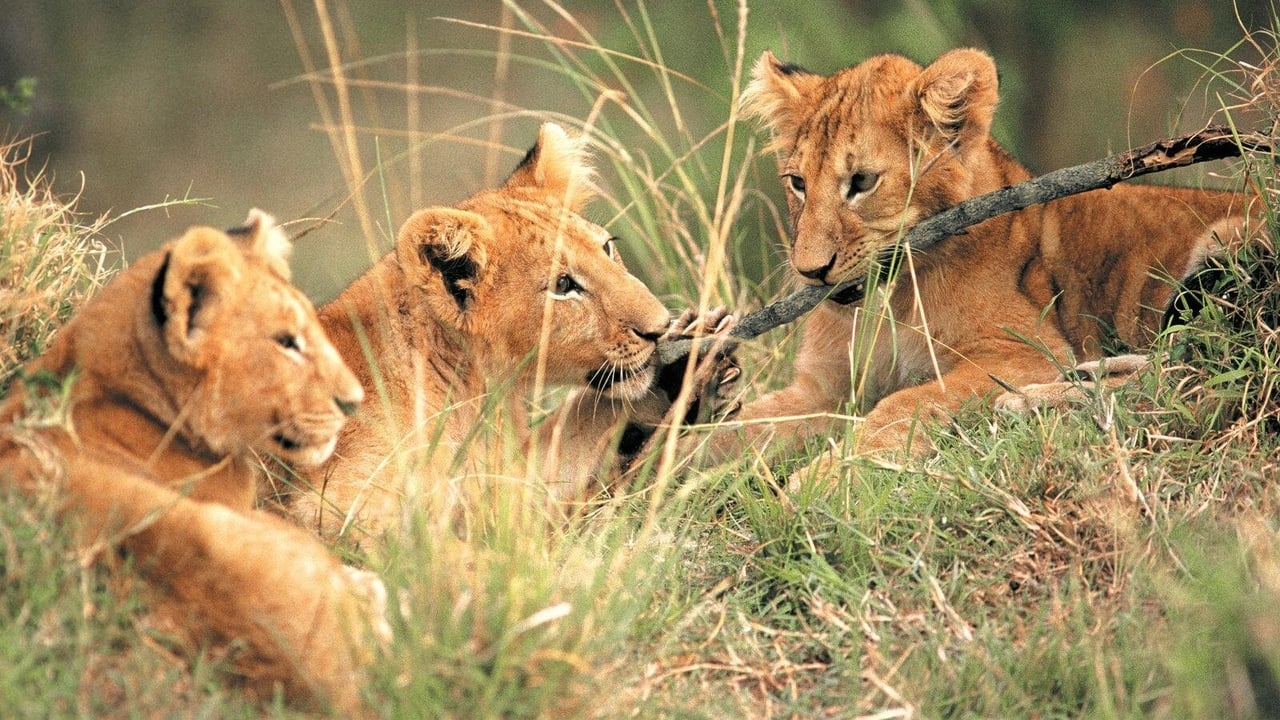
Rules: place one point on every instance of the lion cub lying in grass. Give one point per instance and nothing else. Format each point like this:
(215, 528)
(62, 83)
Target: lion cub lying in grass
(175, 374)
(870, 151)
(476, 306)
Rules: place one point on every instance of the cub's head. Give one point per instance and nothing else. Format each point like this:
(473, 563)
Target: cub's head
(237, 350)
(494, 266)
(869, 151)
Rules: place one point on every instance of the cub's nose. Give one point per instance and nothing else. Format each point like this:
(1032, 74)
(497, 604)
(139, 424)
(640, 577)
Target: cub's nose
(655, 326)
(650, 335)
(818, 273)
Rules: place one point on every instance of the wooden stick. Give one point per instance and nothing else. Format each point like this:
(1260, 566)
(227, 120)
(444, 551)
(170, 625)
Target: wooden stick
(1215, 142)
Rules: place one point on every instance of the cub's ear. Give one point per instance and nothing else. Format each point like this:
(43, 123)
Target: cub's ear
(192, 287)
(558, 164)
(448, 246)
(261, 237)
(957, 96)
(776, 94)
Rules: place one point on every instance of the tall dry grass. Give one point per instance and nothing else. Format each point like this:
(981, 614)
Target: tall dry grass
(51, 258)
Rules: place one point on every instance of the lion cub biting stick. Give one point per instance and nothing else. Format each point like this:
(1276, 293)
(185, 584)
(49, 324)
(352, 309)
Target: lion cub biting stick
(867, 153)
(478, 305)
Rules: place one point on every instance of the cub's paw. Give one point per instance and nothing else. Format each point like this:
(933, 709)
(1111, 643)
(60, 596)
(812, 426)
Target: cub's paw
(819, 474)
(713, 377)
(1111, 371)
(1075, 386)
(716, 322)
(372, 593)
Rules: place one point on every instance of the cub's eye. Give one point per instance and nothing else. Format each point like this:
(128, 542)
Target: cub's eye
(289, 341)
(796, 183)
(565, 285)
(611, 247)
(862, 182)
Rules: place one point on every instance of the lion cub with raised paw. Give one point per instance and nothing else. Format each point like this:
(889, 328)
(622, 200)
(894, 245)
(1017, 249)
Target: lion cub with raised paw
(477, 306)
(175, 374)
(870, 151)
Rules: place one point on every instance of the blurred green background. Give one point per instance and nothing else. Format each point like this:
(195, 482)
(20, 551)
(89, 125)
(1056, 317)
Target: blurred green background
(138, 102)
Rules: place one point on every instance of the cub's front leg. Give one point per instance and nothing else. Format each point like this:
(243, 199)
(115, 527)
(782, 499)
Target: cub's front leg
(301, 621)
(896, 426)
(778, 424)
(973, 376)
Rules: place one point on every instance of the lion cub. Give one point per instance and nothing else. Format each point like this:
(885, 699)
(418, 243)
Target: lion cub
(867, 153)
(182, 367)
(477, 306)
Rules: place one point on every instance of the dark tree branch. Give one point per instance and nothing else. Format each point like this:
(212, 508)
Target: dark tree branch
(1213, 143)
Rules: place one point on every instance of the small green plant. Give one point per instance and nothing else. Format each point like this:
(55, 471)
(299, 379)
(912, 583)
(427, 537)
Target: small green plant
(20, 96)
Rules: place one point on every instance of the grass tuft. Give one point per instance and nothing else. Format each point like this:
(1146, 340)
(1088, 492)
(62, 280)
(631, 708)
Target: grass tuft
(50, 260)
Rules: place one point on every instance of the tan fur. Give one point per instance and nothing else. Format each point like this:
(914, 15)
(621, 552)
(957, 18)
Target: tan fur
(194, 358)
(445, 335)
(870, 151)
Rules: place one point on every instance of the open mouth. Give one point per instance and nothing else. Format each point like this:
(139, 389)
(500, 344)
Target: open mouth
(849, 292)
(304, 453)
(883, 270)
(286, 443)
